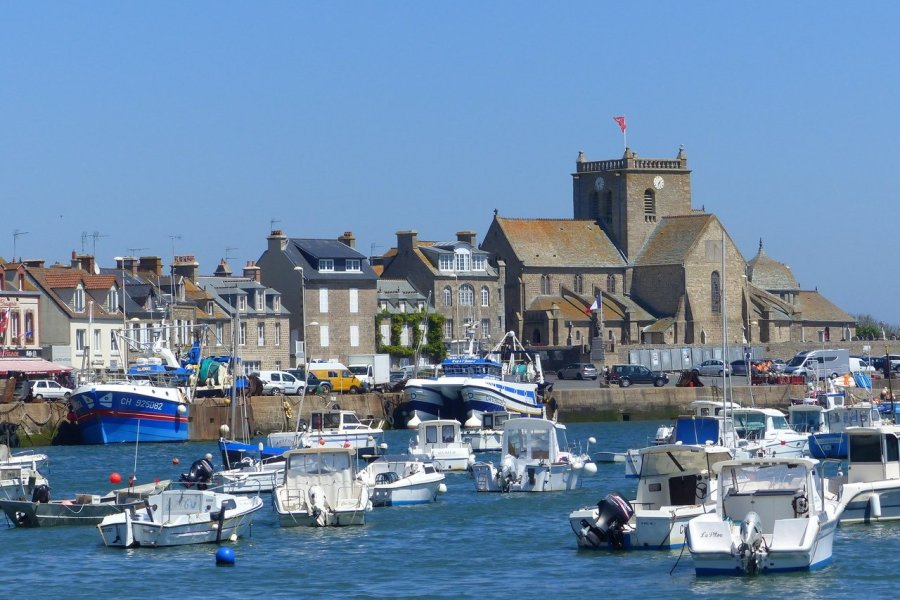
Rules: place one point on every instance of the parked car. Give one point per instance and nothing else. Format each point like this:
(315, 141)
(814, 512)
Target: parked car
(396, 376)
(712, 368)
(49, 389)
(778, 365)
(277, 382)
(739, 367)
(578, 371)
(313, 383)
(626, 375)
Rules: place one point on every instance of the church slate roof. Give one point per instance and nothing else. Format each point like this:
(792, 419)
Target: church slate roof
(816, 307)
(560, 243)
(769, 274)
(672, 240)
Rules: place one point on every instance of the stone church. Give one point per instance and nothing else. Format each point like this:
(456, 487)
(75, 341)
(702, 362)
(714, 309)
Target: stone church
(664, 272)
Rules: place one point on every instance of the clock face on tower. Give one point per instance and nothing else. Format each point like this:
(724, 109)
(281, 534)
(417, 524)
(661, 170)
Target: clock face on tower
(658, 182)
(599, 184)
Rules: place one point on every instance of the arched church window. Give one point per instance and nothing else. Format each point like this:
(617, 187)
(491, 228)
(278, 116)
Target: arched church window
(649, 205)
(715, 289)
(545, 284)
(579, 284)
(611, 284)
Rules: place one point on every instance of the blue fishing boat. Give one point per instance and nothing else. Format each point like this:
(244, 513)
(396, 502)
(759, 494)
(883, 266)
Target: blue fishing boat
(151, 404)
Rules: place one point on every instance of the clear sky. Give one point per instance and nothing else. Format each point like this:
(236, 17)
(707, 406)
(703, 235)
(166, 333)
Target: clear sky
(212, 121)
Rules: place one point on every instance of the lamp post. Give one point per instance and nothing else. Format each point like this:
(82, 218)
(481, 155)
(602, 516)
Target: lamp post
(124, 350)
(299, 269)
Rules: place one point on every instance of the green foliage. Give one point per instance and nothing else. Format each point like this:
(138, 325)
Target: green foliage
(433, 347)
(870, 328)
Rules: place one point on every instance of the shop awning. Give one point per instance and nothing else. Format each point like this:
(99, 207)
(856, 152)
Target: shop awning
(31, 366)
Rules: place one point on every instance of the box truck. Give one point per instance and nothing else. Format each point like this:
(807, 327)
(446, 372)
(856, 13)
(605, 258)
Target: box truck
(374, 370)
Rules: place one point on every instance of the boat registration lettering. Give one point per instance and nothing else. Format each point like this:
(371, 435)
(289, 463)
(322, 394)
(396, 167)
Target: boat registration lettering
(141, 403)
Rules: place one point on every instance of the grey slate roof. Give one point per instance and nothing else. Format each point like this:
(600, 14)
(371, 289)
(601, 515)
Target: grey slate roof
(769, 274)
(307, 252)
(672, 240)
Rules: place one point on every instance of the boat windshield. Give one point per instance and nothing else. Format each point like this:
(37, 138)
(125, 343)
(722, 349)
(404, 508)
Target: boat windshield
(750, 478)
(806, 420)
(780, 423)
(750, 425)
(319, 462)
(527, 442)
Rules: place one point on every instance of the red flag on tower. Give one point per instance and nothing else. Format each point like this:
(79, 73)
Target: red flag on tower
(622, 124)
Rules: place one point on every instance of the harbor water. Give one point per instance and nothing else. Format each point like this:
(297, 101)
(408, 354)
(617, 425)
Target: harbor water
(465, 545)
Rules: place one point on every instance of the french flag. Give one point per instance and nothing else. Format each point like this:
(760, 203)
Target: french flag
(595, 306)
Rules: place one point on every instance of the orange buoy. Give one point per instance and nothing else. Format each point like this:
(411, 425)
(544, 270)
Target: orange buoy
(115, 478)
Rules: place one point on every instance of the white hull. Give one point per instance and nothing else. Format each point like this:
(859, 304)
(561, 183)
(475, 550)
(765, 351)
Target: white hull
(295, 510)
(483, 440)
(250, 480)
(860, 506)
(662, 529)
(529, 478)
(406, 493)
(178, 518)
(801, 545)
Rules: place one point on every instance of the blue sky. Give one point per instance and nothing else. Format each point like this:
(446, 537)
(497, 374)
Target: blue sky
(213, 120)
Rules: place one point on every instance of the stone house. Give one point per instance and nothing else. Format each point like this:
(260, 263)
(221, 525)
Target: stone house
(462, 282)
(330, 291)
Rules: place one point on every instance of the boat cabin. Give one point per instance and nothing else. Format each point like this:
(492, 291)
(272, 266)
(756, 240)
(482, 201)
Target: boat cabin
(469, 366)
(676, 474)
(530, 439)
(321, 420)
(873, 453)
(759, 423)
(439, 432)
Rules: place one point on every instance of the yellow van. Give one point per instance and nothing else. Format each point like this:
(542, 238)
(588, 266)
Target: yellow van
(340, 377)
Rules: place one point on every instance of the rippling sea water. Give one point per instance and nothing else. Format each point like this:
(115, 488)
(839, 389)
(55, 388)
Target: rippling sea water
(464, 545)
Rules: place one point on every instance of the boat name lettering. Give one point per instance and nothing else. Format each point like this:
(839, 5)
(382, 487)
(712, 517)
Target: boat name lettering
(710, 534)
(141, 403)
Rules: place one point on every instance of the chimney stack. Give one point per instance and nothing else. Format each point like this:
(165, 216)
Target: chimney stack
(407, 241)
(277, 241)
(186, 266)
(252, 271)
(150, 264)
(347, 239)
(466, 236)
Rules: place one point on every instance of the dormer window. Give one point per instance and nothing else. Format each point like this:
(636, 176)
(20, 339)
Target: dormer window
(112, 300)
(181, 295)
(463, 260)
(242, 303)
(260, 300)
(276, 303)
(479, 262)
(352, 264)
(445, 262)
(210, 307)
(326, 265)
(79, 299)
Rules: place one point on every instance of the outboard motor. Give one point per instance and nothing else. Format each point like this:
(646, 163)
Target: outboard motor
(41, 494)
(613, 514)
(750, 550)
(200, 474)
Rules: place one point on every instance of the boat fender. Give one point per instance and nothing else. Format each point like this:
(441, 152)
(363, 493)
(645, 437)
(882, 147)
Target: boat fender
(874, 506)
(41, 494)
(800, 505)
(321, 441)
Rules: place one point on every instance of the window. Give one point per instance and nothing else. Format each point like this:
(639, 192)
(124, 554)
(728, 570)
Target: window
(479, 262)
(445, 262)
(405, 335)
(80, 339)
(448, 329)
(354, 335)
(113, 341)
(242, 335)
(97, 341)
(260, 300)
(79, 299)
(260, 334)
(277, 334)
(485, 328)
(354, 300)
(611, 284)
(323, 336)
(466, 295)
(545, 284)
(715, 292)
(578, 284)
(463, 260)
(326, 264)
(352, 264)
(276, 303)
(323, 300)
(29, 327)
(485, 296)
(210, 306)
(649, 205)
(112, 300)
(220, 333)
(448, 296)
(242, 303)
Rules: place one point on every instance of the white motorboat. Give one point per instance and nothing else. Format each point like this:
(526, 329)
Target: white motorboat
(400, 480)
(19, 482)
(675, 485)
(178, 517)
(766, 432)
(35, 460)
(440, 441)
(82, 509)
(825, 416)
(537, 459)
(707, 422)
(870, 490)
(485, 434)
(772, 515)
(320, 489)
(250, 476)
(330, 429)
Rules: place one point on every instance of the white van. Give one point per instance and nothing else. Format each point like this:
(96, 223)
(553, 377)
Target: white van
(819, 364)
(279, 382)
(859, 365)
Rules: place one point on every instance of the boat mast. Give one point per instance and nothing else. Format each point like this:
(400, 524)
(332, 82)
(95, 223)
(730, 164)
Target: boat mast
(722, 287)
